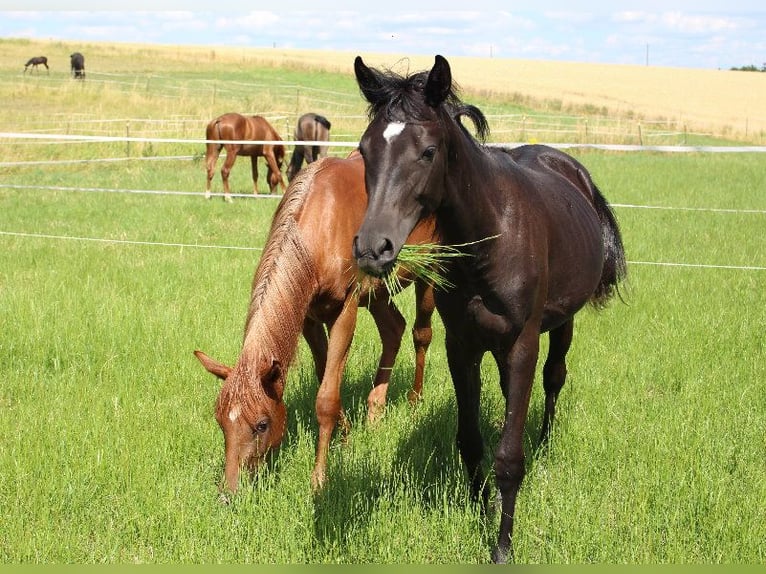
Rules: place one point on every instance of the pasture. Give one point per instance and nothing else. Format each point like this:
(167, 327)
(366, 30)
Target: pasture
(109, 452)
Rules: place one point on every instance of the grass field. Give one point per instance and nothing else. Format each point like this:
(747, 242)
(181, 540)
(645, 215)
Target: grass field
(109, 452)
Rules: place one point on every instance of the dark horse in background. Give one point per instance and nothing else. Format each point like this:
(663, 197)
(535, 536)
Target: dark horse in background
(77, 61)
(310, 128)
(237, 130)
(36, 61)
(541, 242)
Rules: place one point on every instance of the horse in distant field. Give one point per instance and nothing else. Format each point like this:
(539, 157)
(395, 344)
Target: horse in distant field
(36, 61)
(542, 239)
(238, 129)
(77, 61)
(306, 279)
(310, 128)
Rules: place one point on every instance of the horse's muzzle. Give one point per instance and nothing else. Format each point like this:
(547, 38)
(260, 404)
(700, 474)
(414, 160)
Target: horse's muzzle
(377, 261)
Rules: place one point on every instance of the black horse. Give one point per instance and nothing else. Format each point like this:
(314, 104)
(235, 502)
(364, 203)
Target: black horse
(36, 61)
(541, 242)
(78, 65)
(310, 128)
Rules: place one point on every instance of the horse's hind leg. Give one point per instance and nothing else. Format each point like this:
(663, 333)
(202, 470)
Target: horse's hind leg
(231, 157)
(555, 373)
(391, 325)
(421, 335)
(211, 157)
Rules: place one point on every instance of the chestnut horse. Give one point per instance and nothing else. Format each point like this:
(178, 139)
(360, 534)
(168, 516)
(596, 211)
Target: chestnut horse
(306, 279)
(310, 128)
(36, 61)
(544, 242)
(237, 129)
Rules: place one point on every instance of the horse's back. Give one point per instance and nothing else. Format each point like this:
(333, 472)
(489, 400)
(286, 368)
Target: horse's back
(554, 198)
(335, 202)
(549, 160)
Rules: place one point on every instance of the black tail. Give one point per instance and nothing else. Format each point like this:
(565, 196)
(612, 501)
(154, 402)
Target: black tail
(323, 120)
(615, 267)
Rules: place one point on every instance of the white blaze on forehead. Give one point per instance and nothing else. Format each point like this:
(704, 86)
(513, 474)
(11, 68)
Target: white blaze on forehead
(392, 130)
(234, 414)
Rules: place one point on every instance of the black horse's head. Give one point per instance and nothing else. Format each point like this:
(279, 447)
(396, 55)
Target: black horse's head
(406, 150)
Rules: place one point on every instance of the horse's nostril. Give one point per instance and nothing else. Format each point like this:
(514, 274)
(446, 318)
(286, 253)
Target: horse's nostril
(386, 247)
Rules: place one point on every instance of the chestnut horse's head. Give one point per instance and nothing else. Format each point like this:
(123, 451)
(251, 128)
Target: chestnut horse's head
(250, 412)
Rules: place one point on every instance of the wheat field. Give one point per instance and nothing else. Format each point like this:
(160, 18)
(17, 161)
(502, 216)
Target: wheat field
(720, 102)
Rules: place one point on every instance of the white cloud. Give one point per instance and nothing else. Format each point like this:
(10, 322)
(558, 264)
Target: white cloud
(697, 24)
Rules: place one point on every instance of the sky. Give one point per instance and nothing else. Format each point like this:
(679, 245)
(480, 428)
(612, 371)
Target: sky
(693, 34)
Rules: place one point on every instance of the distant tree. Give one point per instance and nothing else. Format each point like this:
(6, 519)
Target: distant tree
(750, 68)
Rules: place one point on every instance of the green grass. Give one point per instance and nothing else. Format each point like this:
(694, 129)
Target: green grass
(109, 451)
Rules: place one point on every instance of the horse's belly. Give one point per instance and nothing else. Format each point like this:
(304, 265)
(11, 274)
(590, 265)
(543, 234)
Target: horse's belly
(250, 150)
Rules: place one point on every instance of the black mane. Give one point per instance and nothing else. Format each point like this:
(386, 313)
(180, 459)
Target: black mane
(397, 96)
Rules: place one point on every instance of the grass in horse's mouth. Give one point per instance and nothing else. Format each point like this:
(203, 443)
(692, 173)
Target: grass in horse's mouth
(426, 261)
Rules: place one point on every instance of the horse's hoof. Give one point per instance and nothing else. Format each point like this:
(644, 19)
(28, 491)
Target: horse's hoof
(414, 397)
(317, 481)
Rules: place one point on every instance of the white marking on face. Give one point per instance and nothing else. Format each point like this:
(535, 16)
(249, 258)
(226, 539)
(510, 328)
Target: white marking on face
(392, 130)
(234, 414)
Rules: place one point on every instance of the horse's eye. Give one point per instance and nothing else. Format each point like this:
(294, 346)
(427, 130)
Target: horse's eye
(429, 153)
(261, 426)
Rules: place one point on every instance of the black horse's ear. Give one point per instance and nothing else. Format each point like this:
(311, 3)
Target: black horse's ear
(366, 78)
(439, 82)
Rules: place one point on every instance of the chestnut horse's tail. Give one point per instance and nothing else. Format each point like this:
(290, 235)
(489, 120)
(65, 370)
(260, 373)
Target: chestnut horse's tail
(214, 133)
(615, 266)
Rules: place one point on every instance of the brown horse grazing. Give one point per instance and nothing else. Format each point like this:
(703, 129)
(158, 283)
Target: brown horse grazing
(236, 128)
(306, 278)
(36, 61)
(544, 243)
(310, 128)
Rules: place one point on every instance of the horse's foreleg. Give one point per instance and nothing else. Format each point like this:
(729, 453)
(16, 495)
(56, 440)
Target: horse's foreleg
(555, 373)
(391, 325)
(421, 335)
(465, 368)
(328, 406)
(254, 171)
(314, 333)
(231, 157)
(517, 375)
(295, 162)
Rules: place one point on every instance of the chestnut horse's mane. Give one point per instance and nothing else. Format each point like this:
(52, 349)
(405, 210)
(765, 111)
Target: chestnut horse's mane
(283, 286)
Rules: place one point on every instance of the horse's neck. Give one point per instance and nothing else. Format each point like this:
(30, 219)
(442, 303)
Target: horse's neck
(283, 287)
(466, 211)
